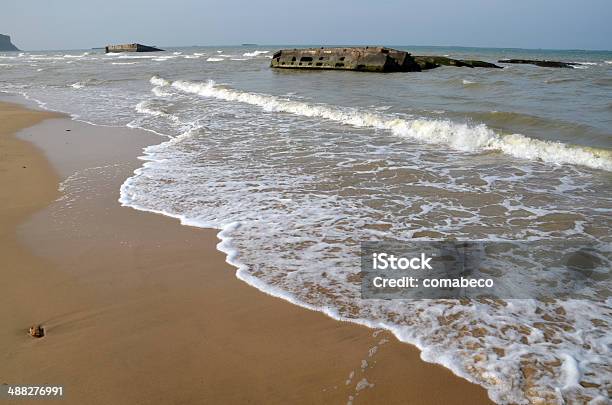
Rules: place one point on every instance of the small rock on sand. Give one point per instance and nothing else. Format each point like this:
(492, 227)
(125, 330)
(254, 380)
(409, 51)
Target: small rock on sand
(37, 331)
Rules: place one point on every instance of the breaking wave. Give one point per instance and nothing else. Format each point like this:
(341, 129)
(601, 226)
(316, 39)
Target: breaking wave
(255, 53)
(463, 137)
(76, 56)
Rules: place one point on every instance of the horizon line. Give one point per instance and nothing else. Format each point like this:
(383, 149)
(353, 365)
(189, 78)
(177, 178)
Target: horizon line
(332, 45)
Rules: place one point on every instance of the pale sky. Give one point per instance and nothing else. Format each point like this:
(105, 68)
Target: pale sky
(82, 24)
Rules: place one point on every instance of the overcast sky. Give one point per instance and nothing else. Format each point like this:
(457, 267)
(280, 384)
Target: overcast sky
(78, 24)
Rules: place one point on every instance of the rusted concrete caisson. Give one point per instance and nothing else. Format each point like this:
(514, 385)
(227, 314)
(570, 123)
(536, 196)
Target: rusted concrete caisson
(130, 48)
(366, 59)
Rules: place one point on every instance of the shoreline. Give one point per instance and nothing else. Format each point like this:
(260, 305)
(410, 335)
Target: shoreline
(139, 308)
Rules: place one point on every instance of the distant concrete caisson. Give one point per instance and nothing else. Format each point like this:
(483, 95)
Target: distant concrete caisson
(6, 44)
(130, 48)
(366, 59)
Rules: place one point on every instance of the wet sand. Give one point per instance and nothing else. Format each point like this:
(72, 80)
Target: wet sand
(139, 309)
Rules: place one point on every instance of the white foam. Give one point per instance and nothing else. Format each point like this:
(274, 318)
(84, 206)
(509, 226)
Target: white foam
(76, 56)
(160, 92)
(158, 81)
(463, 137)
(215, 60)
(144, 107)
(255, 53)
(77, 85)
(571, 372)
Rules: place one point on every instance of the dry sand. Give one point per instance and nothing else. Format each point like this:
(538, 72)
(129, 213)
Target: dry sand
(139, 309)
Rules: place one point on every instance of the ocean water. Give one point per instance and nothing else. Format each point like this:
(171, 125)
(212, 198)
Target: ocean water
(298, 167)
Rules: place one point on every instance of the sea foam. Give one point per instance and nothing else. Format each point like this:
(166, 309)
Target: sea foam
(459, 136)
(255, 53)
(76, 56)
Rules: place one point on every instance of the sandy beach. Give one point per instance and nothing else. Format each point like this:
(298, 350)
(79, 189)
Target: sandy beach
(138, 309)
